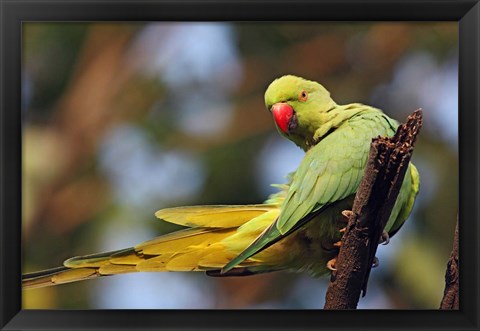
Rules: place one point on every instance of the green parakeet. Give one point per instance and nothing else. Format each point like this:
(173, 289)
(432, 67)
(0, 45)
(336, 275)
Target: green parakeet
(293, 229)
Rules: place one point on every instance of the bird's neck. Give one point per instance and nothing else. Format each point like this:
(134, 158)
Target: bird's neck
(326, 123)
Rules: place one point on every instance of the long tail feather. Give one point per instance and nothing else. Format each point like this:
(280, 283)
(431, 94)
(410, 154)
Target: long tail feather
(55, 276)
(200, 248)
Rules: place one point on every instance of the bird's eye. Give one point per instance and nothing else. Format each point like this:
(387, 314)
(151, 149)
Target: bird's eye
(303, 96)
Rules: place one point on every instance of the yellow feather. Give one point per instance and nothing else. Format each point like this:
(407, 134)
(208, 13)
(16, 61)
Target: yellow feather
(187, 261)
(216, 256)
(218, 235)
(194, 260)
(80, 262)
(73, 275)
(247, 233)
(189, 238)
(213, 216)
(112, 269)
(154, 264)
(95, 260)
(130, 259)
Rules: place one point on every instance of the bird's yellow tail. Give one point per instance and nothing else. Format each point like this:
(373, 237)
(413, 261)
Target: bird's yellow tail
(201, 247)
(60, 275)
(71, 271)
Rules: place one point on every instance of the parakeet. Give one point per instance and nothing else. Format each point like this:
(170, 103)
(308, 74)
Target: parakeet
(295, 229)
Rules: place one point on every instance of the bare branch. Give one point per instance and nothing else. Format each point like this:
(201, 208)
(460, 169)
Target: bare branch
(450, 295)
(386, 166)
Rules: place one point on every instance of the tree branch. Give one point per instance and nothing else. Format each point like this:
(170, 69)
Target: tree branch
(450, 295)
(386, 166)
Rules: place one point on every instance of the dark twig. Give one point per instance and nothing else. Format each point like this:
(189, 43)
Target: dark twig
(386, 166)
(450, 295)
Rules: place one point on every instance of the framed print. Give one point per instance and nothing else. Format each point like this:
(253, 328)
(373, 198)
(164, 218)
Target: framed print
(140, 142)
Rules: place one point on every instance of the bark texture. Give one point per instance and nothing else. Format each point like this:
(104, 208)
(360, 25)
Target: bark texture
(386, 166)
(450, 295)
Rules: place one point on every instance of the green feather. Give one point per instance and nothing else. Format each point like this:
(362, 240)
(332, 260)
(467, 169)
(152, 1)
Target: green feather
(337, 142)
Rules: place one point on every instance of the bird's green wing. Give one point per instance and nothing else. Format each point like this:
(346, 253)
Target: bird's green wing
(330, 171)
(405, 200)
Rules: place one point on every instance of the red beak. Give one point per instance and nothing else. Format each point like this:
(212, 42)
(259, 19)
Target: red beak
(282, 113)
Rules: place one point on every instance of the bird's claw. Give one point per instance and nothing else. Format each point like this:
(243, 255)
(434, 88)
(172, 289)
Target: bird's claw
(331, 264)
(328, 246)
(346, 215)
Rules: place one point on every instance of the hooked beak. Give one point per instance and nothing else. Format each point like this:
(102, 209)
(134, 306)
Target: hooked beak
(283, 114)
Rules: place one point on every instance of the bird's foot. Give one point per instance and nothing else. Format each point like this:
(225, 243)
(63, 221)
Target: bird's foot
(330, 246)
(344, 219)
(384, 238)
(331, 264)
(346, 215)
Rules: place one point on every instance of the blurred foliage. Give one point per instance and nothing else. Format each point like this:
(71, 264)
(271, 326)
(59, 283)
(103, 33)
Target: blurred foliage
(123, 119)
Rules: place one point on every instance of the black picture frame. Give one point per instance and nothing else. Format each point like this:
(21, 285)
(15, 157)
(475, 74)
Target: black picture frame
(14, 12)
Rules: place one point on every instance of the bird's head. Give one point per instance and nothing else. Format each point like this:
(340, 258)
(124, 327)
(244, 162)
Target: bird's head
(299, 107)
